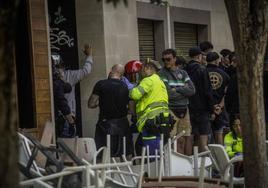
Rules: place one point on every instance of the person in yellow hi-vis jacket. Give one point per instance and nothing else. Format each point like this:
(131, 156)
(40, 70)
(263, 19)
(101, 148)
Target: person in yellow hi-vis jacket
(233, 140)
(151, 99)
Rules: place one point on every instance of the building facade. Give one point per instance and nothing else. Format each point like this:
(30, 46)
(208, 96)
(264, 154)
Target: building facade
(118, 34)
(140, 30)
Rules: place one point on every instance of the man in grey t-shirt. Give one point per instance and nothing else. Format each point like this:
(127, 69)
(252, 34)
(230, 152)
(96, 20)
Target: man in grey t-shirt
(180, 88)
(75, 76)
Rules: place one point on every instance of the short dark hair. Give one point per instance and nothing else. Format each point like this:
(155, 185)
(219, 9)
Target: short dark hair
(233, 117)
(180, 60)
(225, 52)
(212, 56)
(169, 51)
(194, 51)
(204, 46)
(232, 56)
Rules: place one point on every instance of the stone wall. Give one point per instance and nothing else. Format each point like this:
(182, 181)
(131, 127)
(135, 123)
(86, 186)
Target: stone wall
(113, 34)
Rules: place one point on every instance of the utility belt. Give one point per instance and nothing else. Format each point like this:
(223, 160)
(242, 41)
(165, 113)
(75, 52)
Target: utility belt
(116, 126)
(159, 125)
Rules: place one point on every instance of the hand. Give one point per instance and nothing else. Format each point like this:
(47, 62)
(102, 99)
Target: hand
(238, 154)
(87, 50)
(173, 89)
(217, 109)
(212, 117)
(70, 118)
(127, 82)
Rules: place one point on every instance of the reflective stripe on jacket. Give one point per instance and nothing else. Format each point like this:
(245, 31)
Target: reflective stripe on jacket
(151, 99)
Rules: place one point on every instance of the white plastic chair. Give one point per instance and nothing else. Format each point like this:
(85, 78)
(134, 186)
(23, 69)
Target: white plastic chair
(25, 153)
(177, 164)
(222, 162)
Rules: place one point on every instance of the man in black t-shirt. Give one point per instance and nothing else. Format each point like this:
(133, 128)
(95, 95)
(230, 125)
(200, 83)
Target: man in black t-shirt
(111, 95)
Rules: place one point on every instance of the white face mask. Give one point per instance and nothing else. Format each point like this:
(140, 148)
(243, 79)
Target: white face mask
(56, 59)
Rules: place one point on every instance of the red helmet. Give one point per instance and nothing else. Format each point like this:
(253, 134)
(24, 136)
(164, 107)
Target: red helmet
(133, 66)
(132, 69)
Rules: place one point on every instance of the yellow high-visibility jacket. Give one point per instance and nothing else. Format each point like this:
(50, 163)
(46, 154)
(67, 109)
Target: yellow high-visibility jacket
(151, 99)
(232, 145)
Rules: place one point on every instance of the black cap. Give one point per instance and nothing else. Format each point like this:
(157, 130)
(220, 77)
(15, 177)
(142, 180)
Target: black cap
(194, 51)
(212, 56)
(225, 52)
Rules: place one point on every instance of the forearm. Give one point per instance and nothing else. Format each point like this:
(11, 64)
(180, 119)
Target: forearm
(69, 118)
(136, 93)
(187, 90)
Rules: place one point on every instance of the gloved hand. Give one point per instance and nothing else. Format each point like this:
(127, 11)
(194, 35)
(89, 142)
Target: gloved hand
(72, 130)
(238, 154)
(127, 82)
(69, 130)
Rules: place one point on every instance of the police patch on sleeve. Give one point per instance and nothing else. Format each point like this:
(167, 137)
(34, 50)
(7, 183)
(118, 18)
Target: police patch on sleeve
(216, 80)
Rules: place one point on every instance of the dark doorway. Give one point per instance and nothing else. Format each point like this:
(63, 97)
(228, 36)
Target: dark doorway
(63, 41)
(24, 69)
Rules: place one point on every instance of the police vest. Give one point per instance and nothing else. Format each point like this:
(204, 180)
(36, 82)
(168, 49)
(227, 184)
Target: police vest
(151, 99)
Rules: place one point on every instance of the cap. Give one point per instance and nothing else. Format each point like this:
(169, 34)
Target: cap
(156, 64)
(57, 60)
(194, 51)
(225, 52)
(212, 56)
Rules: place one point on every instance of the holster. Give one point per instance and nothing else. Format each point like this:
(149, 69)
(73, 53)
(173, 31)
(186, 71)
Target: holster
(159, 125)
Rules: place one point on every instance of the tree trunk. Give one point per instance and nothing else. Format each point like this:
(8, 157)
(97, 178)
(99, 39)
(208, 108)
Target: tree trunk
(249, 23)
(8, 113)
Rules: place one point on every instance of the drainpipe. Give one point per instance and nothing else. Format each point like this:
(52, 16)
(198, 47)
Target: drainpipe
(168, 24)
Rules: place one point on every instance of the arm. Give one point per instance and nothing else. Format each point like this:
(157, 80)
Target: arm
(172, 93)
(228, 142)
(207, 89)
(188, 90)
(132, 107)
(93, 101)
(221, 104)
(61, 102)
(127, 82)
(144, 87)
(75, 76)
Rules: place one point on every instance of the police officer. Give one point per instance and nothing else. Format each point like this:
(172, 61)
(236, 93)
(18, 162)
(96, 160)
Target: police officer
(151, 107)
(219, 81)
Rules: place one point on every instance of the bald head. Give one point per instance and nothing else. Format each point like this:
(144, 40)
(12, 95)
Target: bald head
(117, 71)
